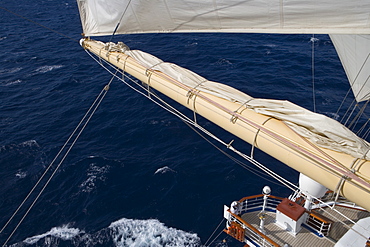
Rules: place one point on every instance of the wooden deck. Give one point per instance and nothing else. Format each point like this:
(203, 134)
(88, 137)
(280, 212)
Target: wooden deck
(339, 229)
(306, 237)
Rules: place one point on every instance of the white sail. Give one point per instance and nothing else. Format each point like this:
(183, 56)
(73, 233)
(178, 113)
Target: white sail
(105, 17)
(100, 17)
(354, 53)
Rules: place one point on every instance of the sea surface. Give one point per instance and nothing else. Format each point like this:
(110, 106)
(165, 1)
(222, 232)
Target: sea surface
(137, 176)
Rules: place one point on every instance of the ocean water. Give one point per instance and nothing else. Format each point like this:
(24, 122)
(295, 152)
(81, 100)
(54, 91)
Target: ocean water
(137, 176)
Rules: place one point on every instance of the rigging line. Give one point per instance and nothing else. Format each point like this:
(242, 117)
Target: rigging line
(348, 109)
(214, 232)
(185, 119)
(362, 127)
(51, 164)
(105, 90)
(216, 237)
(350, 115)
(358, 116)
(345, 97)
(34, 22)
(245, 166)
(119, 22)
(366, 134)
(313, 39)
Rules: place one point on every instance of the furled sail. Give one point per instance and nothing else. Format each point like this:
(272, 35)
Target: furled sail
(100, 17)
(354, 53)
(322, 130)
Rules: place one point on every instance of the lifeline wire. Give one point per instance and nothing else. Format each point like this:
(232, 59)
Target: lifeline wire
(93, 107)
(214, 233)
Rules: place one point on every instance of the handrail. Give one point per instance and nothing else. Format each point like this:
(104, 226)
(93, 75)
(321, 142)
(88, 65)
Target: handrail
(320, 217)
(260, 195)
(254, 229)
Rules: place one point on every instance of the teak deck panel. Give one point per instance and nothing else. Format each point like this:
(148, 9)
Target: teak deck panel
(305, 236)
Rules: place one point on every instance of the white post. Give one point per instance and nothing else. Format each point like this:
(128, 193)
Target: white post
(307, 203)
(266, 192)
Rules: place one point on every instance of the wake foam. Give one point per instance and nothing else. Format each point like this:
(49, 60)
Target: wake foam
(164, 170)
(95, 174)
(124, 232)
(63, 233)
(47, 68)
(127, 232)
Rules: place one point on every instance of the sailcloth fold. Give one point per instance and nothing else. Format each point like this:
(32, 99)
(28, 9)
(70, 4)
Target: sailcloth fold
(320, 129)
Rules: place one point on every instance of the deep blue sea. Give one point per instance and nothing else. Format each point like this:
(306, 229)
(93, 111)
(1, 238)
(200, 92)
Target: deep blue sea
(137, 176)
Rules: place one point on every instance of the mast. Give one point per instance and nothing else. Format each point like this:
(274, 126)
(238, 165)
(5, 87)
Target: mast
(340, 172)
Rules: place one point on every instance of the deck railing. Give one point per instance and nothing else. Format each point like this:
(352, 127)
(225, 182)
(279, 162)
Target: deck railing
(254, 203)
(251, 204)
(252, 233)
(319, 223)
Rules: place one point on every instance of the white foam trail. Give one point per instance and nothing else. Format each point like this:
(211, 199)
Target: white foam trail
(94, 173)
(30, 143)
(128, 232)
(21, 174)
(64, 233)
(122, 233)
(47, 68)
(13, 82)
(164, 170)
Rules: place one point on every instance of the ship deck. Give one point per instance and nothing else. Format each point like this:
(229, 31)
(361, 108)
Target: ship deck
(306, 235)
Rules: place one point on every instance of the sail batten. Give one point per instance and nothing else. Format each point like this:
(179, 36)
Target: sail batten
(258, 16)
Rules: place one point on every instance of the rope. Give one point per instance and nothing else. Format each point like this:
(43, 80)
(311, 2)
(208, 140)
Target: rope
(215, 238)
(313, 39)
(340, 107)
(214, 233)
(91, 111)
(350, 115)
(359, 132)
(358, 116)
(119, 22)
